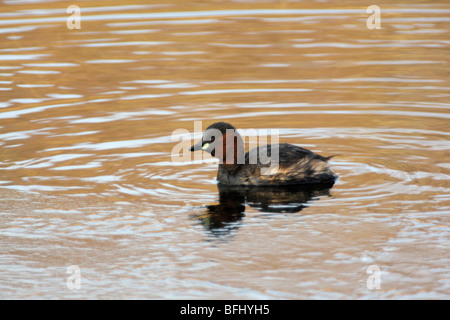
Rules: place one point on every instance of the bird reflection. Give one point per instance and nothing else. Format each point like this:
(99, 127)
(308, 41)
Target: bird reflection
(225, 217)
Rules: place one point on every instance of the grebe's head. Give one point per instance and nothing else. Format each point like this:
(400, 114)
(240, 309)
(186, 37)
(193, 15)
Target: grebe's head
(221, 140)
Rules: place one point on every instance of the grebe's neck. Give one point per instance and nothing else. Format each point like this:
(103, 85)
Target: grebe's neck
(233, 150)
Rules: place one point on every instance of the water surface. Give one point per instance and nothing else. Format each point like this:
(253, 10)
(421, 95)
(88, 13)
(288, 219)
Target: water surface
(86, 133)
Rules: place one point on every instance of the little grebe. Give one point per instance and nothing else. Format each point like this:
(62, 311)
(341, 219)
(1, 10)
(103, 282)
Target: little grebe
(276, 165)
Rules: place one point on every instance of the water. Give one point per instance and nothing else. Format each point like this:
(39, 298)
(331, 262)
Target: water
(87, 178)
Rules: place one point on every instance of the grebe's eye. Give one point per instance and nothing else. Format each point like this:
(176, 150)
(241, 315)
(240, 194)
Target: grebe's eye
(208, 142)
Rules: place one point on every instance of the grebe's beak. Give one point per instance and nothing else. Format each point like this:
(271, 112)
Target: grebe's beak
(197, 147)
(203, 146)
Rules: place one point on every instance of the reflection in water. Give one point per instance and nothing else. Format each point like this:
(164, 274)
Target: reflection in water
(220, 219)
(225, 217)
